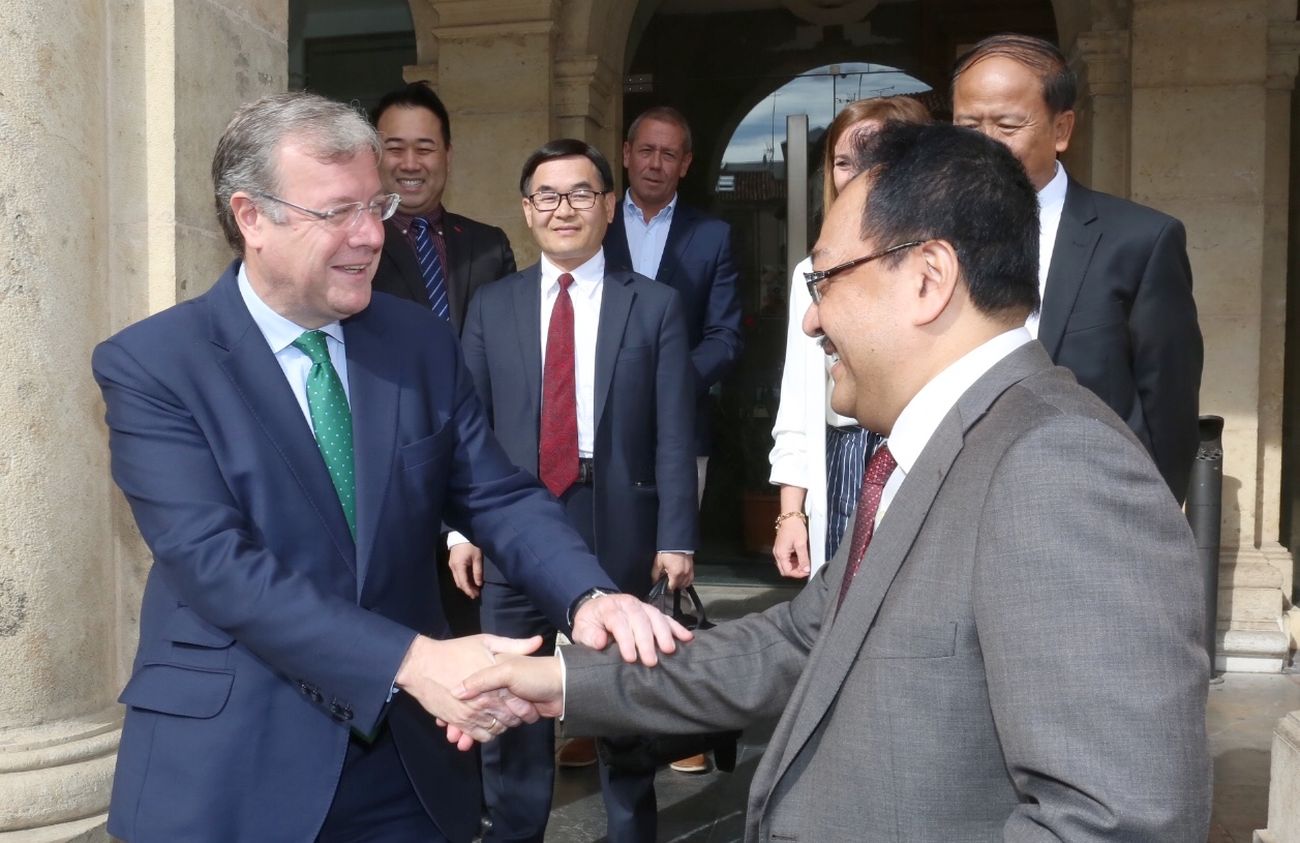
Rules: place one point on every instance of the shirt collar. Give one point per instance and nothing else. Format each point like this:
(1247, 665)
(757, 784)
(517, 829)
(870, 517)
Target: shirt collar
(587, 278)
(630, 208)
(404, 220)
(922, 415)
(1053, 193)
(279, 332)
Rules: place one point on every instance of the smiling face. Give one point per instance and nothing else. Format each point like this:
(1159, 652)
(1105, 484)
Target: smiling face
(656, 160)
(1003, 99)
(416, 158)
(303, 269)
(567, 237)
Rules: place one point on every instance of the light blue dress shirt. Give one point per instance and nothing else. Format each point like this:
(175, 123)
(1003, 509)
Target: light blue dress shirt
(646, 240)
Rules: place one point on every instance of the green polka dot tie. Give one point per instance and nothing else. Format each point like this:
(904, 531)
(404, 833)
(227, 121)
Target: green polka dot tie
(332, 420)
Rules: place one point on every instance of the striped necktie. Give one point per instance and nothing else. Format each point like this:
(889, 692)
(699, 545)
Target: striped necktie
(430, 267)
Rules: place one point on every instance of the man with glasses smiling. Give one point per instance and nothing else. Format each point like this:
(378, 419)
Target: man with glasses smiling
(289, 445)
(585, 372)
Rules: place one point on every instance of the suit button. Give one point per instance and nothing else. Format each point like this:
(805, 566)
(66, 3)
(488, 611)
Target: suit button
(340, 712)
(311, 692)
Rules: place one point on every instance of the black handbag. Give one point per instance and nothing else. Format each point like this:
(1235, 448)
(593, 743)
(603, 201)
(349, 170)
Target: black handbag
(644, 754)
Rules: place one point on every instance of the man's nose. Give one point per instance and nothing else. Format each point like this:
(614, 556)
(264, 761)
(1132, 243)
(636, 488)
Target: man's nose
(812, 323)
(368, 231)
(408, 160)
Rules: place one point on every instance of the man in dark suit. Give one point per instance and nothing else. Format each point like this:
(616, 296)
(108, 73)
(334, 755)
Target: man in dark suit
(657, 236)
(289, 444)
(432, 256)
(585, 374)
(1008, 647)
(1115, 281)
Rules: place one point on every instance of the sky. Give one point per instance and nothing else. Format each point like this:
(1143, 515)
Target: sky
(818, 94)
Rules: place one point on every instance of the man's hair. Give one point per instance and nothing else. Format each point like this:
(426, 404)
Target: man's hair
(247, 153)
(565, 148)
(414, 95)
(902, 109)
(944, 182)
(1060, 86)
(664, 114)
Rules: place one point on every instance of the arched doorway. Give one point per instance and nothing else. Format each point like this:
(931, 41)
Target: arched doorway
(715, 60)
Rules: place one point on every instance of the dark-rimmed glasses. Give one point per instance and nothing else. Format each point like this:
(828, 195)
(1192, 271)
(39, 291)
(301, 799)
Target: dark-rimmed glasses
(582, 199)
(346, 216)
(817, 280)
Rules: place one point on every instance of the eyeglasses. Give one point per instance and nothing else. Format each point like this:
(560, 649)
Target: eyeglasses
(347, 216)
(817, 280)
(579, 200)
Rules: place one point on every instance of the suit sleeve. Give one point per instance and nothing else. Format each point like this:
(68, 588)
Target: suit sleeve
(1089, 619)
(721, 343)
(730, 677)
(506, 254)
(474, 347)
(675, 472)
(1168, 355)
(211, 555)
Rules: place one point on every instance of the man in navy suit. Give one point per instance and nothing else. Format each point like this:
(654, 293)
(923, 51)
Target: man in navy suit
(289, 446)
(1114, 277)
(585, 366)
(657, 236)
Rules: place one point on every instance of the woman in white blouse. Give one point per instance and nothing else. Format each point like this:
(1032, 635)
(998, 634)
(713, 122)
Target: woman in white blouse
(819, 456)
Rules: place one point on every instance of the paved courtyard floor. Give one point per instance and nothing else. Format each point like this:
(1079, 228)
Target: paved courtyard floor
(710, 807)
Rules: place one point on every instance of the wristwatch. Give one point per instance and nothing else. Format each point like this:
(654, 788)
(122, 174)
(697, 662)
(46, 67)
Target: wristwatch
(583, 598)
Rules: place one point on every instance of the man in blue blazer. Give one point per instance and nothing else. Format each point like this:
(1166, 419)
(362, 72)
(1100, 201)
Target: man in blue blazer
(289, 447)
(657, 236)
(587, 366)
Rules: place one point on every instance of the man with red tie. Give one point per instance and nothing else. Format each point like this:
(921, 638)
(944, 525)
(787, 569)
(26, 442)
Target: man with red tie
(585, 375)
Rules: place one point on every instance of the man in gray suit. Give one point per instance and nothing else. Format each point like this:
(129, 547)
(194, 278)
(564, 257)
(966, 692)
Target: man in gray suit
(1016, 654)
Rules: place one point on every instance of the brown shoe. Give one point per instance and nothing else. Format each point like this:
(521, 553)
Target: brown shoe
(576, 752)
(694, 764)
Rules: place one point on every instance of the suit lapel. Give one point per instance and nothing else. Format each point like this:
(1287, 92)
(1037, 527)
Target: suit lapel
(399, 251)
(615, 306)
(528, 331)
(260, 382)
(1076, 238)
(374, 383)
(680, 233)
(844, 633)
(460, 254)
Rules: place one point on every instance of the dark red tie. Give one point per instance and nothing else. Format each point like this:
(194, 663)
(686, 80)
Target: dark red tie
(557, 458)
(879, 468)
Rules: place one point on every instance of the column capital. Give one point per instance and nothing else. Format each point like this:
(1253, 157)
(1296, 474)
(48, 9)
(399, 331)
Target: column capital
(1283, 54)
(1103, 59)
(472, 19)
(583, 87)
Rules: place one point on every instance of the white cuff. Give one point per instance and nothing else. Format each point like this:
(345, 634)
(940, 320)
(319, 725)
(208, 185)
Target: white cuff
(564, 682)
(454, 538)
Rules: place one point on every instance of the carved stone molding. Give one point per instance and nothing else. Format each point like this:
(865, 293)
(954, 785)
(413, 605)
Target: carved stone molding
(1103, 60)
(1283, 54)
(584, 88)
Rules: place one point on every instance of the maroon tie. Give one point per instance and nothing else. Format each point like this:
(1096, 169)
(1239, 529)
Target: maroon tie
(557, 458)
(873, 485)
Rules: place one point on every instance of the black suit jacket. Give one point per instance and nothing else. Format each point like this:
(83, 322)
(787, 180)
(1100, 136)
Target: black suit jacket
(476, 254)
(1119, 313)
(644, 465)
(697, 263)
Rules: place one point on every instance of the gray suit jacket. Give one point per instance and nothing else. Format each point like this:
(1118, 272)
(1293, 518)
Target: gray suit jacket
(1018, 659)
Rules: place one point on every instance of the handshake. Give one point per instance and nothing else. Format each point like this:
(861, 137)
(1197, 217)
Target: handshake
(477, 696)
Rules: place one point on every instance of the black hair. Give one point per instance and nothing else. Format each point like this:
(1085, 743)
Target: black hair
(1060, 85)
(944, 182)
(566, 148)
(414, 95)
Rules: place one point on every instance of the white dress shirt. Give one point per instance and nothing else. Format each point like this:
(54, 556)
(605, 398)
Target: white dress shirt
(280, 334)
(646, 240)
(585, 292)
(922, 415)
(1051, 201)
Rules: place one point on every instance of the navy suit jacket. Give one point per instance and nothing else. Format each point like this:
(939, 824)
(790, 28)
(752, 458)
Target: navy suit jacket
(645, 478)
(698, 264)
(477, 254)
(266, 632)
(1119, 313)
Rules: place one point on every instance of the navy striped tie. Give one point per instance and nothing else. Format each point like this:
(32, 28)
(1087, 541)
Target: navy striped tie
(430, 267)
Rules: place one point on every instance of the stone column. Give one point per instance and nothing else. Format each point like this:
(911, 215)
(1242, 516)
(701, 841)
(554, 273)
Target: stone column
(109, 115)
(1204, 148)
(1099, 152)
(1283, 784)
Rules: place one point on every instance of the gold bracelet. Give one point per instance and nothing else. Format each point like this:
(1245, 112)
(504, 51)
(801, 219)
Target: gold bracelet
(795, 514)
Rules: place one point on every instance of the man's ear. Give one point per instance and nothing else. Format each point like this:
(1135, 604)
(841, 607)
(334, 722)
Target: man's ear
(249, 218)
(940, 272)
(1062, 129)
